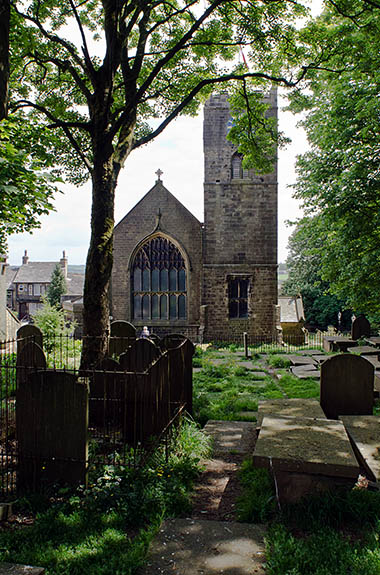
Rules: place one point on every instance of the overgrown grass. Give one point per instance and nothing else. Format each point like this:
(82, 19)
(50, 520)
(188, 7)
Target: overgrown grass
(106, 528)
(295, 387)
(257, 503)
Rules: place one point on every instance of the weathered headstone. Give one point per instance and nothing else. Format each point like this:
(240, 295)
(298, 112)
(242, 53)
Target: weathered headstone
(28, 333)
(122, 336)
(30, 357)
(52, 416)
(106, 395)
(337, 343)
(360, 327)
(346, 386)
(180, 373)
(295, 407)
(139, 356)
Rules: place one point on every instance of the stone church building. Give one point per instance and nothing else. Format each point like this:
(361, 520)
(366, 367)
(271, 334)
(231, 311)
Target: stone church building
(210, 281)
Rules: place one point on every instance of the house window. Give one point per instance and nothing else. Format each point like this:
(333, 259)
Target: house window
(159, 281)
(37, 289)
(238, 297)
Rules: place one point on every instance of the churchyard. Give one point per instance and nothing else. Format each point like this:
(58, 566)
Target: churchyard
(271, 443)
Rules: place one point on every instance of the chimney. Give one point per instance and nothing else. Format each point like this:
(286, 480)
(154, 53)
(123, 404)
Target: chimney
(25, 258)
(63, 263)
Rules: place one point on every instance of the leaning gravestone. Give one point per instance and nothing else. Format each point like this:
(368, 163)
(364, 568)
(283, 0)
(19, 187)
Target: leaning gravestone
(139, 356)
(347, 383)
(123, 334)
(28, 333)
(30, 358)
(360, 328)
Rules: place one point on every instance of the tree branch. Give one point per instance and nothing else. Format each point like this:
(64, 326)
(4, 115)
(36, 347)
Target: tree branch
(86, 53)
(65, 126)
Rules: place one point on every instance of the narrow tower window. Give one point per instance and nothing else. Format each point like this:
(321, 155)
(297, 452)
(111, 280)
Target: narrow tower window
(238, 297)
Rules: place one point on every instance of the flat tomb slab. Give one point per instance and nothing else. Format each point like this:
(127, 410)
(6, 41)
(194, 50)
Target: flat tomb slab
(307, 446)
(312, 352)
(306, 367)
(316, 374)
(373, 341)
(300, 360)
(321, 357)
(364, 432)
(16, 569)
(372, 359)
(298, 407)
(364, 350)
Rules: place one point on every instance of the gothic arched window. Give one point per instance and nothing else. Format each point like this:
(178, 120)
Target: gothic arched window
(236, 167)
(159, 281)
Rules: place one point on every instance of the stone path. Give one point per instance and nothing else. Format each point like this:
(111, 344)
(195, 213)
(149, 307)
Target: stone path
(199, 546)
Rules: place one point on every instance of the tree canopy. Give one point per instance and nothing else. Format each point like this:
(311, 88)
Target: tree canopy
(339, 178)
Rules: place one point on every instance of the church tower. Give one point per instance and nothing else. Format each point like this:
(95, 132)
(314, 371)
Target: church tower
(239, 285)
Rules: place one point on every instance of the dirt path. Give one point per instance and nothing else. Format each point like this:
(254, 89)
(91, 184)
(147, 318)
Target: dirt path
(210, 542)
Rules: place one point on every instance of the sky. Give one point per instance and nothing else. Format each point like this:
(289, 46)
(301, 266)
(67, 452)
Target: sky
(178, 152)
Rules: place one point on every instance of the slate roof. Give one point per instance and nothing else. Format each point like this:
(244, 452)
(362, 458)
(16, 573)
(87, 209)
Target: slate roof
(291, 309)
(74, 284)
(35, 272)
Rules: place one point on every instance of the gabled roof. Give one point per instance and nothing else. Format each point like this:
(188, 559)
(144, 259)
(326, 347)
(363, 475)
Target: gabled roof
(35, 272)
(159, 188)
(74, 283)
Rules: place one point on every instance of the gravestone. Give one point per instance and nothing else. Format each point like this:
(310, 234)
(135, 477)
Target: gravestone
(360, 328)
(26, 334)
(172, 340)
(364, 432)
(106, 395)
(346, 386)
(30, 357)
(122, 336)
(139, 356)
(180, 373)
(52, 421)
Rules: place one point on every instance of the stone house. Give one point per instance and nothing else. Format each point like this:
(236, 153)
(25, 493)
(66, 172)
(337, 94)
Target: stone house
(29, 282)
(212, 280)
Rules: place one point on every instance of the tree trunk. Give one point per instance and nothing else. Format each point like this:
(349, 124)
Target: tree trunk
(98, 265)
(4, 56)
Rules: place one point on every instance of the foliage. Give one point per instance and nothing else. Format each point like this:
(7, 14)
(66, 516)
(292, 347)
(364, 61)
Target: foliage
(257, 504)
(107, 527)
(304, 263)
(278, 361)
(57, 287)
(339, 178)
(135, 63)
(26, 186)
(52, 321)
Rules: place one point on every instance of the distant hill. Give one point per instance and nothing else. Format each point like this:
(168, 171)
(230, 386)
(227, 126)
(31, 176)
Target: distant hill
(76, 269)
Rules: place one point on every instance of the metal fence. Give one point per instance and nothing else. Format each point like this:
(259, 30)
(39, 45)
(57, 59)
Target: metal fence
(57, 420)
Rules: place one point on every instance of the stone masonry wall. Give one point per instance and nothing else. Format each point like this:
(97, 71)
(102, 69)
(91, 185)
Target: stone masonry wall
(179, 225)
(240, 233)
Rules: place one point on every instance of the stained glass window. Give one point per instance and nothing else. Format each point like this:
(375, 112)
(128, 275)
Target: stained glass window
(159, 281)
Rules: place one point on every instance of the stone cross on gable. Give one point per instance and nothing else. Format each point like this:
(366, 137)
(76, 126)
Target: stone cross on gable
(159, 174)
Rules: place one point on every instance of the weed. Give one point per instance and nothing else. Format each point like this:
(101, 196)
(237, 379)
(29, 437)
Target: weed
(295, 387)
(257, 504)
(277, 361)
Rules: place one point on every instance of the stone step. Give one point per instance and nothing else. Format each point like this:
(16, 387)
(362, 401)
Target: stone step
(196, 547)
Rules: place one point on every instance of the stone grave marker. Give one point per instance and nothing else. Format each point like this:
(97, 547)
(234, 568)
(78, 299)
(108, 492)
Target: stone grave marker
(106, 394)
(26, 334)
(139, 356)
(297, 407)
(364, 350)
(300, 360)
(122, 336)
(305, 455)
(374, 340)
(347, 383)
(52, 422)
(337, 343)
(364, 432)
(360, 328)
(30, 357)
(172, 340)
